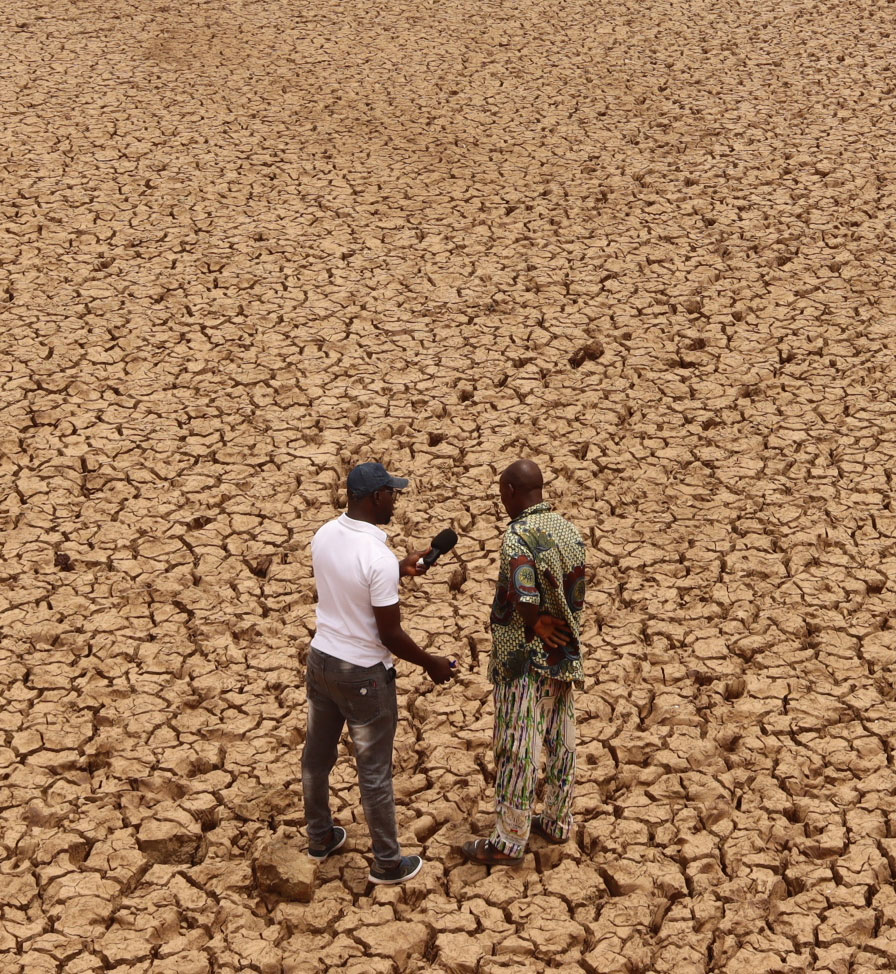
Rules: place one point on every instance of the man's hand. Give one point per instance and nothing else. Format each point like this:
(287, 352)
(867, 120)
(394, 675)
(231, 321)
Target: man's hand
(553, 632)
(441, 670)
(409, 566)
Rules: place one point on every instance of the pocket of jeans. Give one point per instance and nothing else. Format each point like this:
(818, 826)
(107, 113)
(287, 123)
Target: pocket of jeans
(315, 674)
(360, 700)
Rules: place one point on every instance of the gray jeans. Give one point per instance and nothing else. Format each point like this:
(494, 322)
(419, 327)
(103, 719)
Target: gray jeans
(363, 697)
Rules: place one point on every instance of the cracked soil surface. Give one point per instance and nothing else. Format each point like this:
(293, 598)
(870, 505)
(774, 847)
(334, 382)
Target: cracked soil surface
(246, 245)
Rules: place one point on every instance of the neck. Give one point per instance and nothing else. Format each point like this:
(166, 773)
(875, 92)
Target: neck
(359, 512)
(528, 500)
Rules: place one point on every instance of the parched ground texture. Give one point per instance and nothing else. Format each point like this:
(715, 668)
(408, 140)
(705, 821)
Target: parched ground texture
(650, 244)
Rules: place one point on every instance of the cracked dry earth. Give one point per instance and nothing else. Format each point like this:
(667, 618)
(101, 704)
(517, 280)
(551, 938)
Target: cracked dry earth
(246, 245)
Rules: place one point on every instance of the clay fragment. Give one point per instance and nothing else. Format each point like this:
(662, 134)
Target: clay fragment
(170, 842)
(282, 869)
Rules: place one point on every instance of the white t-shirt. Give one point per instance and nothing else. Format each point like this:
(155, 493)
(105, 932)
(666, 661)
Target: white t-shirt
(354, 570)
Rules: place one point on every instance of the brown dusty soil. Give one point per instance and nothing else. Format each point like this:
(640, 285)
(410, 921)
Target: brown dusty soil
(247, 244)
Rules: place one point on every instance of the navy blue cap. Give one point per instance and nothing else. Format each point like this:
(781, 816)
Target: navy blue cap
(368, 477)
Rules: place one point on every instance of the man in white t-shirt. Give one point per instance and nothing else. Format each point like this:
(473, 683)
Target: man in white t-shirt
(351, 676)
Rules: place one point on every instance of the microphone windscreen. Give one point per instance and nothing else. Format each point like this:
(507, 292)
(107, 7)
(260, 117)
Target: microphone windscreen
(444, 541)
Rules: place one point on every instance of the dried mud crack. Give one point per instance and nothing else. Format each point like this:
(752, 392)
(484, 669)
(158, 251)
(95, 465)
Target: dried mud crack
(650, 245)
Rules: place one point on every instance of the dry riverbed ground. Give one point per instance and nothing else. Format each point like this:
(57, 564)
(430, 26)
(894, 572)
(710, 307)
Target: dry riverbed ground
(246, 245)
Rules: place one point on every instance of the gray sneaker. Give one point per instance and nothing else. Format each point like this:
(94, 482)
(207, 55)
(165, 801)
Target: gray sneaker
(405, 870)
(336, 842)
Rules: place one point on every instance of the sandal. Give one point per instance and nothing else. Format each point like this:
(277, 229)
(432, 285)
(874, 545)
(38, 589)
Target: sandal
(482, 852)
(538, 827)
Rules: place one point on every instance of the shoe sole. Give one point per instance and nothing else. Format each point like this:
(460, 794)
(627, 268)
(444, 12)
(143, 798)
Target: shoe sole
(509, 863)
(394, 882)
(332, 849)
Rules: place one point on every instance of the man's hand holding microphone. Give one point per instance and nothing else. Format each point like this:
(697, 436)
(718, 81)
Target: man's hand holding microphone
(440, 669)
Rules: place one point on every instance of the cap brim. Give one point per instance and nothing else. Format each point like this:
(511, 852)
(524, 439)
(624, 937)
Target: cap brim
(397, 483)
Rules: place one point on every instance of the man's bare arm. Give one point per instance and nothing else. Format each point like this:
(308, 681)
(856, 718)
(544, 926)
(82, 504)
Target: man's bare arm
(399, 643)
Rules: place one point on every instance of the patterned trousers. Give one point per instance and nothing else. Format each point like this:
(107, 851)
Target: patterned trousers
(532, 712)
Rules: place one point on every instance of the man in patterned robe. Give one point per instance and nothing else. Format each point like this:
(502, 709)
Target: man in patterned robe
(535, 664)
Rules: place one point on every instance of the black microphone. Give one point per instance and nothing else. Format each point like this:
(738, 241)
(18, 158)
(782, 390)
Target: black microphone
(443, 542)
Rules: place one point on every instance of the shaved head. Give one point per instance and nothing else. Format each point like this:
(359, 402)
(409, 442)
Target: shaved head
(520, 486)
(523, 475)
